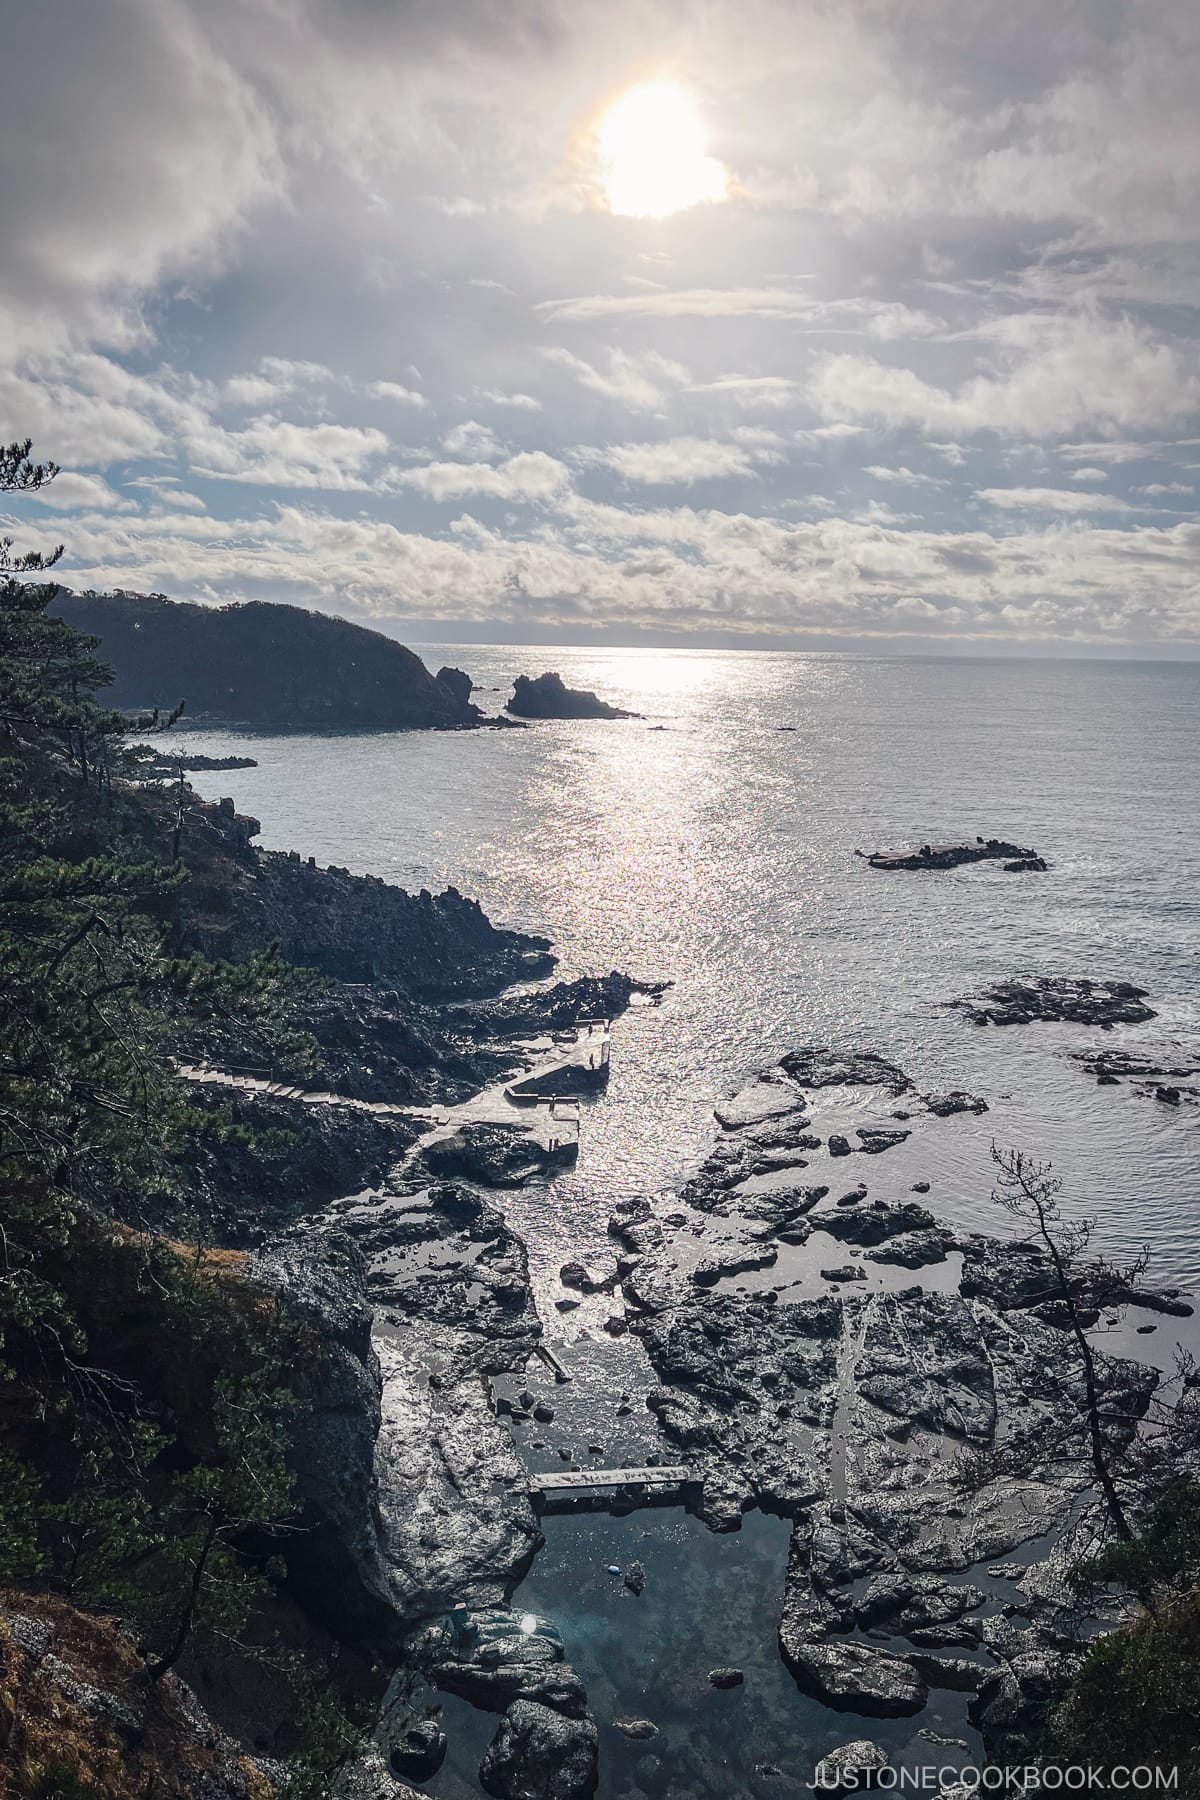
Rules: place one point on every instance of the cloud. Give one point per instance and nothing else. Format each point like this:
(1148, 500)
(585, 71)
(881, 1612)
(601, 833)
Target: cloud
(276, 378)
(642, 382)
(1042, 499)
(132, 150)
(1052, 375)
(530, 476)
(1166, 487)
(278, 453)
(87, 492)
(676, 567)
(676, 462)
(880, 318)
(521, 402)
(392, 390)
(473, 440)
(1089, 474)
(908, 477)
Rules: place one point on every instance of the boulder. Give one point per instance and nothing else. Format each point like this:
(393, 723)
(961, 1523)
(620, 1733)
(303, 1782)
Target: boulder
(539, 1754)
(851, 1767)
(853, 1677)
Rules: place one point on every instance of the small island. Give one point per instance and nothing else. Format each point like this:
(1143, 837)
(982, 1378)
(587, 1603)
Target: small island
(952, 856)
(548, 697)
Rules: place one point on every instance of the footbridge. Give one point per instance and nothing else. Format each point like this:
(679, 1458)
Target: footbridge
(615, 1490)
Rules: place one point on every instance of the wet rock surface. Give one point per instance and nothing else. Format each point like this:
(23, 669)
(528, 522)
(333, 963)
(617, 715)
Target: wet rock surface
(539, 1754)
(1057, 999)
(1168, 1073)
(954, 856)
(850, 1411)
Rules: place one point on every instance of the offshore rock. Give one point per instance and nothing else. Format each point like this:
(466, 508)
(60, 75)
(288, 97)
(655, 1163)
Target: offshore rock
(818, 1066)
(1054, 999)
(547, 697)
(953, 856)
(944, 1106)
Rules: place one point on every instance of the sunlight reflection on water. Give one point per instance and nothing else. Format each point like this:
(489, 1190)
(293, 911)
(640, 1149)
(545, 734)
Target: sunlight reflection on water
(718, 853)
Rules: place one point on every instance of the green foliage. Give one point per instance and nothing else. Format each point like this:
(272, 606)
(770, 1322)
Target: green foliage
(1137, 1698)
(21, 1556)
(145, 1384)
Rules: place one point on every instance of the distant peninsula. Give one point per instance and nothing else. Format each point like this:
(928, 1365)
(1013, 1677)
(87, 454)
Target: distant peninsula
(265, 665)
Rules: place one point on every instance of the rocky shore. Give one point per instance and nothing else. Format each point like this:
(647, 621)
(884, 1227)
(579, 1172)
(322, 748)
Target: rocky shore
(796, 1324)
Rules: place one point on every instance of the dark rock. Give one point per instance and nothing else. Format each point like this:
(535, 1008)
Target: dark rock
(852, 1677)
(874, 1139)
(839, 1145)
(726, 1678)
(953, 856)
(420, 1751)
(538, 1754)
(851, 1767)
(1055, 998)
(456, 682)
(818, 1066)
(847, 1272)
(635, 1578)
(955, 1101)
(492, 1155)
(635, 1729)
(493, 1660)
(547, 697)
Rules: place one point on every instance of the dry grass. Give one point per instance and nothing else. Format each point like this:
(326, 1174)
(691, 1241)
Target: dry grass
(52, 1747)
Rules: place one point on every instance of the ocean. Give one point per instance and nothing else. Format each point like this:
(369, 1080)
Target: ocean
(711, 844)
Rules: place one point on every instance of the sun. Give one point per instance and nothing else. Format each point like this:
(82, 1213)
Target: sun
(653, 154)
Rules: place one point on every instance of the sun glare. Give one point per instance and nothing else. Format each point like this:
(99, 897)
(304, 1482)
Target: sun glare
(653, 154)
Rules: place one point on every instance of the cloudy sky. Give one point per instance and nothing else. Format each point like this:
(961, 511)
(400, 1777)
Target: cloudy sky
(355, 303)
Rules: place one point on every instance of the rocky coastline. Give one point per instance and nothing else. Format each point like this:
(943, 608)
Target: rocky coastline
(816, 1342)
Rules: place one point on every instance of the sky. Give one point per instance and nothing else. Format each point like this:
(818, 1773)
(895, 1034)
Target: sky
(873, 322)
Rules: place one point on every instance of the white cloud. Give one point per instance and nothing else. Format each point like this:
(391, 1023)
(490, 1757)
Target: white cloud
(275, 378)
(529, 476)
(521, 402)
(1158, 488)
(1042, 499)
(1052, 376)
(1087, 474)
(908, 477)
(69, 491)
(393, 390)
(676, 462)
(642, 382)
(477, 442)
(277, 453)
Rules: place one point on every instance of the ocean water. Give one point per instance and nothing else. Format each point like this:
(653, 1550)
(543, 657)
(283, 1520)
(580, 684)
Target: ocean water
(711, 843)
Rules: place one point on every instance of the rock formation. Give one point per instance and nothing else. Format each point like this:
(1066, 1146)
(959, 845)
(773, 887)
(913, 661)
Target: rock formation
(546, 697)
